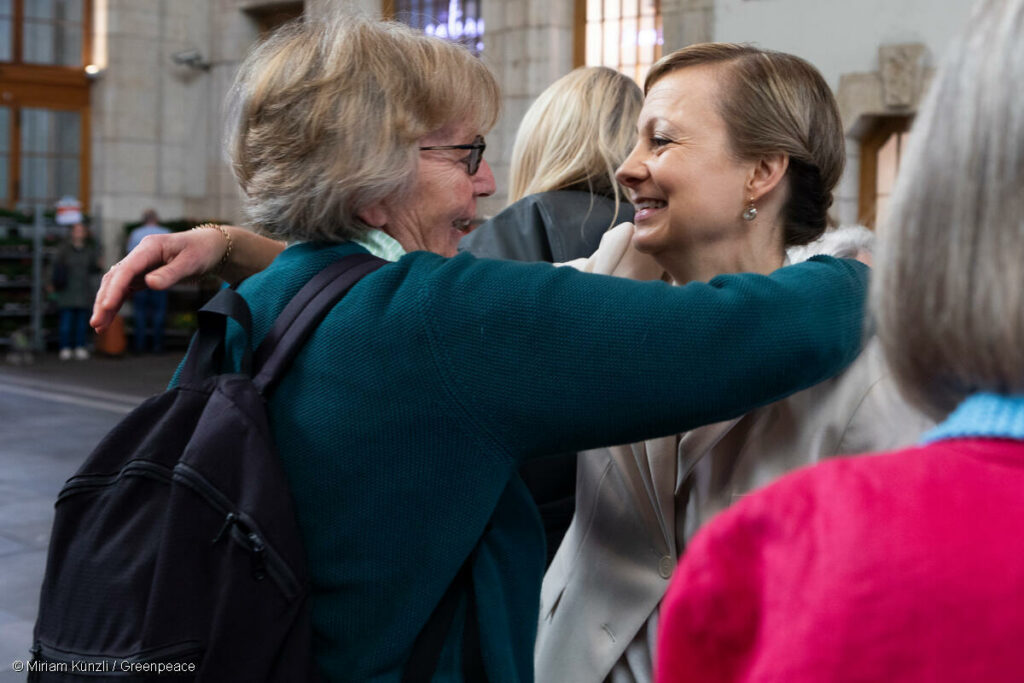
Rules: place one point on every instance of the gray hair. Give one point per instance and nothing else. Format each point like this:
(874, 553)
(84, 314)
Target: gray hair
(949, 291)
(325, 117)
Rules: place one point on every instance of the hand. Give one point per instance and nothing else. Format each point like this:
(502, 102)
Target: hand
(158, 262)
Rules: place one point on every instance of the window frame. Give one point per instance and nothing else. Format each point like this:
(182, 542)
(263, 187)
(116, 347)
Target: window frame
(389, 13)
(870, 145)
(46, 86)
(579, 36)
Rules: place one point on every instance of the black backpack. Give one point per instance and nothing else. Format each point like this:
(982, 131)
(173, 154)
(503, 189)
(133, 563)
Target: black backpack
(175, 548)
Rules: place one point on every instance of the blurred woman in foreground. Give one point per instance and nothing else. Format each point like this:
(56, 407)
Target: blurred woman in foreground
(904, 566)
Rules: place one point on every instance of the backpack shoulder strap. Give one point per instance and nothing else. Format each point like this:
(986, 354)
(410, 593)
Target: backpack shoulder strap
(206, 352)
(303, 314)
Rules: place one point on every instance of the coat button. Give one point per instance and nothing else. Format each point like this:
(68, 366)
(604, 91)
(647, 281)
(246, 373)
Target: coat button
(665, 566)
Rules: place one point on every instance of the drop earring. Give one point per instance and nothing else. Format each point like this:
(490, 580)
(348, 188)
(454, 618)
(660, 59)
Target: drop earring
(750, 213)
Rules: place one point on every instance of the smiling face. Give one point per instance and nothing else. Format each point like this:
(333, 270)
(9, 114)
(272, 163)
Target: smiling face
(683, 178)
(440, 208)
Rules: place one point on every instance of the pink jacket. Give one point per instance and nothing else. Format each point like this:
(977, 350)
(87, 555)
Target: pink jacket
(907, 566)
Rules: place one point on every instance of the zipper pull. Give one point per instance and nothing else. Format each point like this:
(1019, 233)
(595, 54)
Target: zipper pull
(228, 521)
(258, 559)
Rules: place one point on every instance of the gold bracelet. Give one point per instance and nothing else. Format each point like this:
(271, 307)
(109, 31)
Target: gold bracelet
(227, 238)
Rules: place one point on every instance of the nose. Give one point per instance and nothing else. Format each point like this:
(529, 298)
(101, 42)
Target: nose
(632, 171)
(483, 181)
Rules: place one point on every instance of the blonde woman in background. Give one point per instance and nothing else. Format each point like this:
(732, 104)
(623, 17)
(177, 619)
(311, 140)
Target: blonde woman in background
(739, 149)
(564, 195)
(905, 566)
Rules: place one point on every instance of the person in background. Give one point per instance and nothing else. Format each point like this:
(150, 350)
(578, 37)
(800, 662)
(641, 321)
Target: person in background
(564, 197)
(904, 566)
(563, 194)
(73, 273)
(149, 306)
(403, 422)
(739, 150)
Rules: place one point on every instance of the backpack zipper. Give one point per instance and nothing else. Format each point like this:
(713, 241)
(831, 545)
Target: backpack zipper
(137, 468)
(265, 560)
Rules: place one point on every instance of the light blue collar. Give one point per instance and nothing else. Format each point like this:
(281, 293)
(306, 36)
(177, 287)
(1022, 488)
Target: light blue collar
(982, 415)
(380, 244)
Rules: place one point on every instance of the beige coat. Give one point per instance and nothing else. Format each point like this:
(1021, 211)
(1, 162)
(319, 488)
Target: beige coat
(638, 505)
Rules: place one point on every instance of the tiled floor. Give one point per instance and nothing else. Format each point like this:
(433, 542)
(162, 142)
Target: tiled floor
(51, 415)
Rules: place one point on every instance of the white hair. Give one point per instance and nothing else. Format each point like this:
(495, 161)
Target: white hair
(949, 291)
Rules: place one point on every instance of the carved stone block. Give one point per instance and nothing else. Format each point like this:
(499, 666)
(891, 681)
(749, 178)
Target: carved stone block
(901, 69)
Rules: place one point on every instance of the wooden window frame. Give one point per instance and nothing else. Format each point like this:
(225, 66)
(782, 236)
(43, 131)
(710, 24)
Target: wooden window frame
(870, 145)
(579, 33)
(47, 86)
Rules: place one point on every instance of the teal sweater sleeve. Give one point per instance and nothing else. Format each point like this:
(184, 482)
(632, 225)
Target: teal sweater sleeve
(400, 423)
(543, 359)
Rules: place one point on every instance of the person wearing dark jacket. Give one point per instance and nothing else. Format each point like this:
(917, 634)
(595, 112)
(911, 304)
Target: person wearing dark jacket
(564, 197)
(74, 268)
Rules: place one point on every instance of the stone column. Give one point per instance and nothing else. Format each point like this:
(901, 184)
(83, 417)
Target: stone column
(528, 45)
(685, 22)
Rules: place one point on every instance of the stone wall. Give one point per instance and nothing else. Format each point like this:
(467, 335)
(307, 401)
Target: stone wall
(157, 126)
(155, 123)
(527, 45)
(844, 41)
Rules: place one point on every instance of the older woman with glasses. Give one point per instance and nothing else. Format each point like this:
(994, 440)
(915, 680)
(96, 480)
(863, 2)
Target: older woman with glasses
(402, 424)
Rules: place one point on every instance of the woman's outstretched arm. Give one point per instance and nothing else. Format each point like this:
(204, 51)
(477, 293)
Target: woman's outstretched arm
(160, 261)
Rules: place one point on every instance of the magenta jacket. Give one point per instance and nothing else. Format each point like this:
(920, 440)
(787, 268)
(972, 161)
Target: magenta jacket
(907, 566)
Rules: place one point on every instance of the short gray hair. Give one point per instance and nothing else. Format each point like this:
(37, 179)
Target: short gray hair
(949, 291)
(325, 116)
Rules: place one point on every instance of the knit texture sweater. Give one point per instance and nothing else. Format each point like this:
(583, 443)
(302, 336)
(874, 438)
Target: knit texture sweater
(905, 566)
(403, 420)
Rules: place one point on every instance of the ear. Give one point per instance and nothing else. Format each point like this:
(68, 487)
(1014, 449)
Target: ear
(375, 215)
(766, 175)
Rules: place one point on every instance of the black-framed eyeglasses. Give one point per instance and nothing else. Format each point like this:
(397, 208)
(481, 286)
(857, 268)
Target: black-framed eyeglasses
(476, 152)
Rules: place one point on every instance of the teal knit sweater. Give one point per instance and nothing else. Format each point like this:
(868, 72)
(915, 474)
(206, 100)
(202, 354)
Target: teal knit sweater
(402, 422)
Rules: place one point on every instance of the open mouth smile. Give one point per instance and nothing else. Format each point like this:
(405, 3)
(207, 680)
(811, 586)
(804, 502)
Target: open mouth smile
(646, 208)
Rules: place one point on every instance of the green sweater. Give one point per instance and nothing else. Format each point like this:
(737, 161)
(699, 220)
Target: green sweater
(402, 422)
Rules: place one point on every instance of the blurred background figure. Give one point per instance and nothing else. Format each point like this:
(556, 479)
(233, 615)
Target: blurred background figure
(905, 566)
(73, 283)
(564, 196)
(149, 306)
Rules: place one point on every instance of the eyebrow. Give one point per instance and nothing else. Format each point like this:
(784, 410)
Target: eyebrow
(656, 121)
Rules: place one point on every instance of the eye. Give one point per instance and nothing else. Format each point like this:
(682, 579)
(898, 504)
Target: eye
(658, 141)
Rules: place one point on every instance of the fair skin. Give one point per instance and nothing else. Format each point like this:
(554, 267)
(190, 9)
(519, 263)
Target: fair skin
(690, 189)
(432, 217)
(442, 202)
